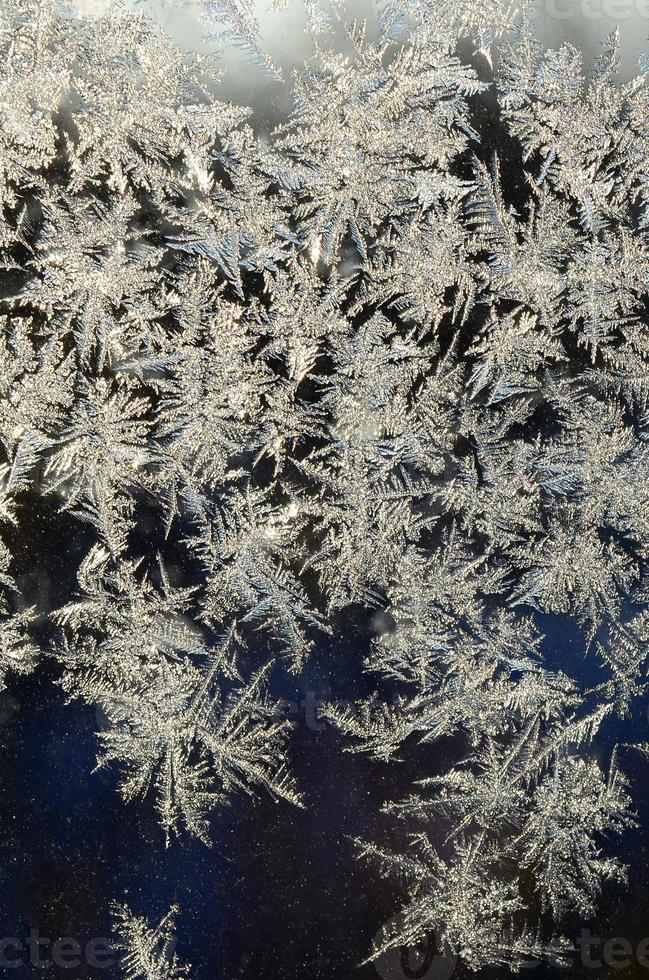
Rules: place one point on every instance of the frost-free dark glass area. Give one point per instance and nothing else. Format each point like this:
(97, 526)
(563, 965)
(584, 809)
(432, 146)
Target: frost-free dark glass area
(323, 493)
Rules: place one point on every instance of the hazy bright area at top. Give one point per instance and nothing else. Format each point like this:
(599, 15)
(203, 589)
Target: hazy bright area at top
(283, 35)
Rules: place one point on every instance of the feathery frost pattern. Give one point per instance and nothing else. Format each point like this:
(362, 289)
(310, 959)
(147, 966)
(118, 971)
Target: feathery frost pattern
(148, 953)
(345, 365)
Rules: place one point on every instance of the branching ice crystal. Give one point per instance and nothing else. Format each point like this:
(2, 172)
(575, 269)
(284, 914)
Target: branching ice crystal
(148, 952)
(359, 363)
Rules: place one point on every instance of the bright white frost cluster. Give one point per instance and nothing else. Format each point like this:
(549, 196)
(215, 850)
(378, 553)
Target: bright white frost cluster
(344, 365)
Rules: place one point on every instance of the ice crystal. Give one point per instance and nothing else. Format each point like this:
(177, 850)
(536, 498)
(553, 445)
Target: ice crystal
(358, 362)
(147, 952)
